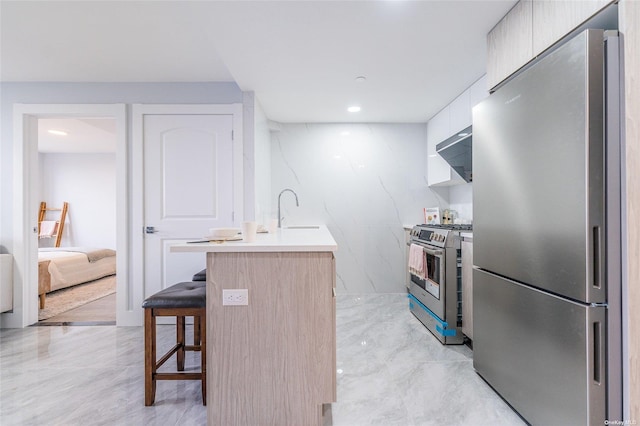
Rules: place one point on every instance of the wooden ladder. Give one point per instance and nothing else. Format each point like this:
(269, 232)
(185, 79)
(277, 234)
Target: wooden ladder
(60, 221)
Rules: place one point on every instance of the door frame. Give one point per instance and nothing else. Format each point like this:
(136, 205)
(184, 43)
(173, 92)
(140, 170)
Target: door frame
(138, 111)
(25, 173)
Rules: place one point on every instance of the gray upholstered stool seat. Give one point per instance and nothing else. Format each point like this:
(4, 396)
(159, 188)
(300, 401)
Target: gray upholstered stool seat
(200, 276)
(187, 294)
(181, 300)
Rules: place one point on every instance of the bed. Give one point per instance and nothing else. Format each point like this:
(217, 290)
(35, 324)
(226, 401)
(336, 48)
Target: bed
(61, 267)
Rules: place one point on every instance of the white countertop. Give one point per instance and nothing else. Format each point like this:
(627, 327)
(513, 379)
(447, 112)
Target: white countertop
(301, 239)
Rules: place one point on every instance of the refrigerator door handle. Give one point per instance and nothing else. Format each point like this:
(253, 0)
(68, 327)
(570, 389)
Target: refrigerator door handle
(598, 349)
(596, 363)
(597, 257)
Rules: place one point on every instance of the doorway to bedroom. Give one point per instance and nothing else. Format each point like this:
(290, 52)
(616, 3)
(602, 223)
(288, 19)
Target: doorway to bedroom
(76, 220)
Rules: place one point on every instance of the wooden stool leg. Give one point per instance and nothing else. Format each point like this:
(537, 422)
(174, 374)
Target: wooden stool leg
(181, 341)
(149, 357)
(203, 355)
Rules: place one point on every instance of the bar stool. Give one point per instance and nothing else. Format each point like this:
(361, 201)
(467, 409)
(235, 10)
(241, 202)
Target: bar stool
(200, 276)
(185, 299)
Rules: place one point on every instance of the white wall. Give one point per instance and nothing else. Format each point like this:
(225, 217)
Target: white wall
(460, 200)
(90, 93)
(365, 186)
(88, 183)
(248, 154)
(262, 147)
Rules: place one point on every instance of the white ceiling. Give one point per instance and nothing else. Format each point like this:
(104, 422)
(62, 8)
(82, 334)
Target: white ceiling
(299, 57)
(83, 135)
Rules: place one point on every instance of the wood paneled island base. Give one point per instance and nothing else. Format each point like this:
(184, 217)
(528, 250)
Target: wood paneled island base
(272, 362)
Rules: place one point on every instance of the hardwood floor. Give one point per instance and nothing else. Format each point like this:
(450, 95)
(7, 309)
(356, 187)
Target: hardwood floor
(98, 312)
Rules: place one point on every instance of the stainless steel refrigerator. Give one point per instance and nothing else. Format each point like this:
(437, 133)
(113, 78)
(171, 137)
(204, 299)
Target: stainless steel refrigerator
(546, 201)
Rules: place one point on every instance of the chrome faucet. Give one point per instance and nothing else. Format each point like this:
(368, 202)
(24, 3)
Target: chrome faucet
(297, 205)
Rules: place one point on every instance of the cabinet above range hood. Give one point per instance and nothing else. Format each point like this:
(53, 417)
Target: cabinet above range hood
(456, 151)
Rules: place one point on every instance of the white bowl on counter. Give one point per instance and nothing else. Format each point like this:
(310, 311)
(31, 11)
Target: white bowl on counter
(223, 232)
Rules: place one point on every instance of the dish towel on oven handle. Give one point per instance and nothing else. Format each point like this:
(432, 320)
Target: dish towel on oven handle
(417, 264)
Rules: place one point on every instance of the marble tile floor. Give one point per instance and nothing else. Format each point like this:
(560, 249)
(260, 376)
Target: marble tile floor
(390, 371)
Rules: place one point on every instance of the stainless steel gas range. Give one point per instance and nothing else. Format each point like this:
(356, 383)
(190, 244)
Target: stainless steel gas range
(435, 287)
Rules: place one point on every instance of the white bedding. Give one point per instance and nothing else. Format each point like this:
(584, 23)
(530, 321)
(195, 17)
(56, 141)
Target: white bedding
(68, 268)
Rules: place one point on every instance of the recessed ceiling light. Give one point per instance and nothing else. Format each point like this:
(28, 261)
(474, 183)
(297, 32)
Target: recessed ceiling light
(361, 79)
(353, 109)
(58, 132)
(463, 134)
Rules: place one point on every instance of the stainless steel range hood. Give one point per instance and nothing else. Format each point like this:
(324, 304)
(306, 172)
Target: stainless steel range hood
(456, 151)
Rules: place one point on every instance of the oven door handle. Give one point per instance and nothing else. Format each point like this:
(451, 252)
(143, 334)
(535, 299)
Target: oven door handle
(432, 252)
(428, 250)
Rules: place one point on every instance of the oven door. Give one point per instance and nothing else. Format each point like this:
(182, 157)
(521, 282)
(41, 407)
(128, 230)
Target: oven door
(431, 291)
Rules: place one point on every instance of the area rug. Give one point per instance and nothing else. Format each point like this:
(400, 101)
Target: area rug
(69, 298)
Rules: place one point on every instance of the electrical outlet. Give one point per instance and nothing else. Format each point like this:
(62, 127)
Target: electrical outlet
(235, 297)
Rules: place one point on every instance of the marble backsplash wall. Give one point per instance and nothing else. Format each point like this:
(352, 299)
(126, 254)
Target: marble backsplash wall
(461, 200)
(364, 181)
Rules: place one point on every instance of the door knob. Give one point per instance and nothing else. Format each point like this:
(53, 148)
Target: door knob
(150, 229)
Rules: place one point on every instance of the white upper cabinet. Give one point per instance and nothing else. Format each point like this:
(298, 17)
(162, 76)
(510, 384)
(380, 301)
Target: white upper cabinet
(509, 44)
(459, 113)
(529, 28)
(478, 92)
(454, 117)
(439, 173)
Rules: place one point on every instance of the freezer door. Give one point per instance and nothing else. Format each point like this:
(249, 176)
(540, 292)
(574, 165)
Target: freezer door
(543, 354)
(538, 158)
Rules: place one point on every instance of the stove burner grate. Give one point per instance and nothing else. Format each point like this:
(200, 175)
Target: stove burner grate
(451, 227)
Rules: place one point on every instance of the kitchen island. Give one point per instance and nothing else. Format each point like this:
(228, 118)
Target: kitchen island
(272, 361)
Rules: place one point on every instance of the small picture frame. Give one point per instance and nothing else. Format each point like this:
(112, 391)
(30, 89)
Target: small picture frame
(431, 215)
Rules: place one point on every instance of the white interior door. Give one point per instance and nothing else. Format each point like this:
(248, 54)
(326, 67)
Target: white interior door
(188, 188)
